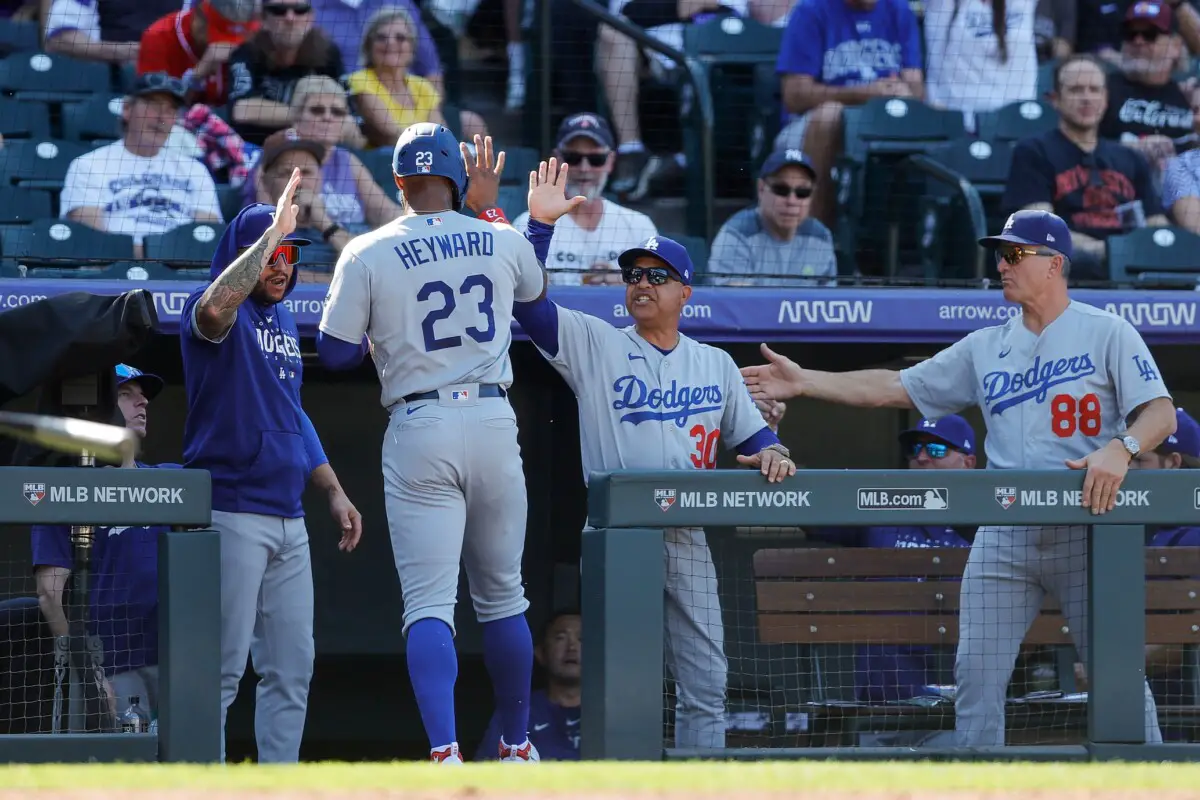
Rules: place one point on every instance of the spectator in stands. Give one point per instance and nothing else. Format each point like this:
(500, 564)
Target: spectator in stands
(776, 243)
(839, 53)
(195, 45)
(137, 186)
(553, 711)
(263, 72)
(387, 95)
(1054, 29)
(587, 241)
(619, 63)
(1181, 179)
(345, 20)
(981, 54)
(886, 673)
(282, 153)
(1101, 23)
(1097, 186)
(108, 31)
(458, 15)
(1147, 109)
(124, 576)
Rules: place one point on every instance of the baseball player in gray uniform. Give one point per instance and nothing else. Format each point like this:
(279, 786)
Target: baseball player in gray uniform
(651, 398)
(433, 292)
(1058, 384)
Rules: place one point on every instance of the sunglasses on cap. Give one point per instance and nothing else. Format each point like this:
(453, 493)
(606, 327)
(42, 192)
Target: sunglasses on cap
(936, 450)
(282, 9)
(1150, 35)
(574, 159)
(655, 276)
(783, 190)
(1014, 255)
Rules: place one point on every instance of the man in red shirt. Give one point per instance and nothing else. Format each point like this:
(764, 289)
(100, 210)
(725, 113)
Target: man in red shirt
(195, 44)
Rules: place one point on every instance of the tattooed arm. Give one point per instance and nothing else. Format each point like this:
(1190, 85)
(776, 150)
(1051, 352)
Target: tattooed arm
(217, 308)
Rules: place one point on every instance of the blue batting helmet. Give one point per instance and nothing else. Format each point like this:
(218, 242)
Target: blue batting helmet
(430, 149)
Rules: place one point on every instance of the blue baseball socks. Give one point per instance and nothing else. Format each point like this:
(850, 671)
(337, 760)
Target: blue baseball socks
(508, 654)
(433, 669)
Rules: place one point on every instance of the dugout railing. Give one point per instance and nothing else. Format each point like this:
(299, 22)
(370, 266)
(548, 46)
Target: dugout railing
(189, 719)
(622, 578)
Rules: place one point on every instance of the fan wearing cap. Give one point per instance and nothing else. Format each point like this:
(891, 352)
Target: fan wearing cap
(776, 243)
(1062, 385)
(588, 239)
(195, 44)
(124, 576)
(138, 186)
(650, 397)
(246, 426)
(1096, 185)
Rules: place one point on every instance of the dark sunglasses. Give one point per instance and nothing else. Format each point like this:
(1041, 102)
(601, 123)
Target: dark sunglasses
(656, 276)
(783, 190)
(574, 159)
(282, 9)
(1014, 255)
(1150, 35)
(935, 449)
(337, 112)
(384, 38)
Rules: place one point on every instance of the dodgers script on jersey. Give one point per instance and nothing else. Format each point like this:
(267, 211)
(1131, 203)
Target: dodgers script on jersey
(641, 409)
(1046, 398)
(434, 292)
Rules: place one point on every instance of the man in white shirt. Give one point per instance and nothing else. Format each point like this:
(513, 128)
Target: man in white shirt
(588, 240)
(137, 186)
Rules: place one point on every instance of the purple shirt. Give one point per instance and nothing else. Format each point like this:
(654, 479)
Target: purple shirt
(554, 731)
(346, 24)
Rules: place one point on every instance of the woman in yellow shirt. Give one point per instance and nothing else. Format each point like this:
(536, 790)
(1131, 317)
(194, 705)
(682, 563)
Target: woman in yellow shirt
(386, 96)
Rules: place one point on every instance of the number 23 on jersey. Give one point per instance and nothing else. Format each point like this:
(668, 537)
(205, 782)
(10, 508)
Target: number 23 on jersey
(1069, 415)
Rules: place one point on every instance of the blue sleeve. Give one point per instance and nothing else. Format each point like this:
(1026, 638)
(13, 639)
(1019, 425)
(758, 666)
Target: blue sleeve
(803, 49)
(910, 36)
(490, 741)
(539, 318)
(336, 353)
(764, 438)
(539, 235)
(312, 443)
(51, 546)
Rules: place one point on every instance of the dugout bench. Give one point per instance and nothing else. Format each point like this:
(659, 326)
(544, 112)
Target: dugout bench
(828, 598)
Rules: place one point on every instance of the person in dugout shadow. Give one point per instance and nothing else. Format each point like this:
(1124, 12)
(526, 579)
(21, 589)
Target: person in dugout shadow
(553, 711)
(124, 574)
(889, 673)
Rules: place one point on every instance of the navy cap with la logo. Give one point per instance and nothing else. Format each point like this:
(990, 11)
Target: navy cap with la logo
(670, 251)
(1036, 229)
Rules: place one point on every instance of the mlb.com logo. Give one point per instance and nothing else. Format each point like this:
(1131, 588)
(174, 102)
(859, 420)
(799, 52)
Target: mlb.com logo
(1007, 496)
(459, 394)
(664, 499)
(34, 492)
(433, 222)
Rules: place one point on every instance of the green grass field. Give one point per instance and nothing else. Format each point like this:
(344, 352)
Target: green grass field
(617, 778)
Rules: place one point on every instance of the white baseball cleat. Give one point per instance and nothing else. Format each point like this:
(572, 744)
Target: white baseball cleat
(522, 754)
(448, 755)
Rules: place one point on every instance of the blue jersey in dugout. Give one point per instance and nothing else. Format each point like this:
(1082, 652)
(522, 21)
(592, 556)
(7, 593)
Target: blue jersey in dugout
(553, 729)
(124, 586)
(245, 425)
(893, 672)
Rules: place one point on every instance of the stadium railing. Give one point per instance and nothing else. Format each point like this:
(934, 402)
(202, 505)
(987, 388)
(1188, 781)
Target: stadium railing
(622, 590)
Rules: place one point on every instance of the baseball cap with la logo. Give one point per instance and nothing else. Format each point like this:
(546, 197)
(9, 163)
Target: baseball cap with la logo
(1036, 229)
(669, 251)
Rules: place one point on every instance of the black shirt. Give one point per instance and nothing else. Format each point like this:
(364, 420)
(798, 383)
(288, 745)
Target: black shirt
(1099, 24)
(1141, 110)
(249, 77)
(127, 20)
(1084, 188)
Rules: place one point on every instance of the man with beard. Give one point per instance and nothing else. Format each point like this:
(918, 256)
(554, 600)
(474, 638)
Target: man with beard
(246, 427)
(588, 239)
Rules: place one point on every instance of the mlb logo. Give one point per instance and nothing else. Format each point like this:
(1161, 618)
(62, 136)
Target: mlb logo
(433, 222)
(459, 394)
(34, 492)
(1006, 496)
(424, 168)
(664, 498)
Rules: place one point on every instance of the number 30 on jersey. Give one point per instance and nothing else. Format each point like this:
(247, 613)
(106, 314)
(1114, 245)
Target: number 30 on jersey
(705, 456)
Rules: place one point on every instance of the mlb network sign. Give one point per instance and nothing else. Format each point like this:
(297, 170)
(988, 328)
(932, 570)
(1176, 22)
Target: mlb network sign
(155, 495)
(666, 499)
(1008, 496)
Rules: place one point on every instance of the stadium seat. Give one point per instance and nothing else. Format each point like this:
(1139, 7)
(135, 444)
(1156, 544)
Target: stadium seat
(9, 269)
(141, 270)
(19, 206)
(768, 119)
(52, 78)
(378, 162)
(518, 163)
(20, 120)
(1155, 257)
(1017, 121)
(192, 244)
(94, 120)
(514, 200)
(697, 248)
(18, 37)
(230, 198)
(47, 241)
(38, 164)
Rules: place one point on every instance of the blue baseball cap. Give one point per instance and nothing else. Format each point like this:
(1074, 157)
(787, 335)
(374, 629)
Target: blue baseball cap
(588, 125)
(1186, 438)
(151, 384)
(787, 158)
(951, 429)
(672, 252)
(253, 222)
(1034, 228)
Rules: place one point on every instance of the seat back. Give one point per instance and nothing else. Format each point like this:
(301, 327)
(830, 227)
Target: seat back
(140, 270)
(1163, 256)
(1016, 121)
(188, 244)
(38, 163)
(21, 120)
(900, 125)
(513, 200)
(697, 247)
(518, 163)
(18, 36)
(96, 119)
(52, 78)
(50, 241)
(732, 39)
(19, 206)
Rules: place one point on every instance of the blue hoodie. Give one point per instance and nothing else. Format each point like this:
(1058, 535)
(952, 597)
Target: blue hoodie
(245, 425)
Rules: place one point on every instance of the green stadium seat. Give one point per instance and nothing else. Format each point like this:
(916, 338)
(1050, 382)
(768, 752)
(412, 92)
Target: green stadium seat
(140, 270)
(514, 200)
(518, 163)
(1017, 121)
(18, 37)
(52, 78)
(54, 241)
(19, 206)
(93, 120)
(1155, 257)
(230, 200)
(697, 247)
(38, 163)
(19, 120)
(9, 269)
(736, 40)
(188, 244)
(378, 162)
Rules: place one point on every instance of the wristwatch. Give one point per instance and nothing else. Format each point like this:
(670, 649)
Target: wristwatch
(1131, 445)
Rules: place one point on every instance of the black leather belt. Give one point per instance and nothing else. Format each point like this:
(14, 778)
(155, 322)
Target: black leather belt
(485, 390)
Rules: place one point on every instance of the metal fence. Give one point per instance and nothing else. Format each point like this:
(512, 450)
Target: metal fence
(623, 584)
(189, 727)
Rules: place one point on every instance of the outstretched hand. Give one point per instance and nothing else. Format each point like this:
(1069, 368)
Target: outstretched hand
(483, 174)
(286, 209)
(548, 193)
(780, 379)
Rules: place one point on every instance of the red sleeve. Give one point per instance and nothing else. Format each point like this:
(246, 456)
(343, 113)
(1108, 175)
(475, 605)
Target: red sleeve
(154, 54)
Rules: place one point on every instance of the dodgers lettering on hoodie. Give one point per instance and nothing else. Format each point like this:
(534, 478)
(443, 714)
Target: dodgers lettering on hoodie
(244, 422)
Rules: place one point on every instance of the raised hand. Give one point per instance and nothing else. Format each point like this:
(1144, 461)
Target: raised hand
(286, 210)
(548, 193)
(483, 173)
(780, 379)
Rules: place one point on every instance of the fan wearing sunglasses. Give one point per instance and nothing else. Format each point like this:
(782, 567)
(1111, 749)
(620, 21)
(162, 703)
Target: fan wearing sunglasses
(776, 243)
(588, 239)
